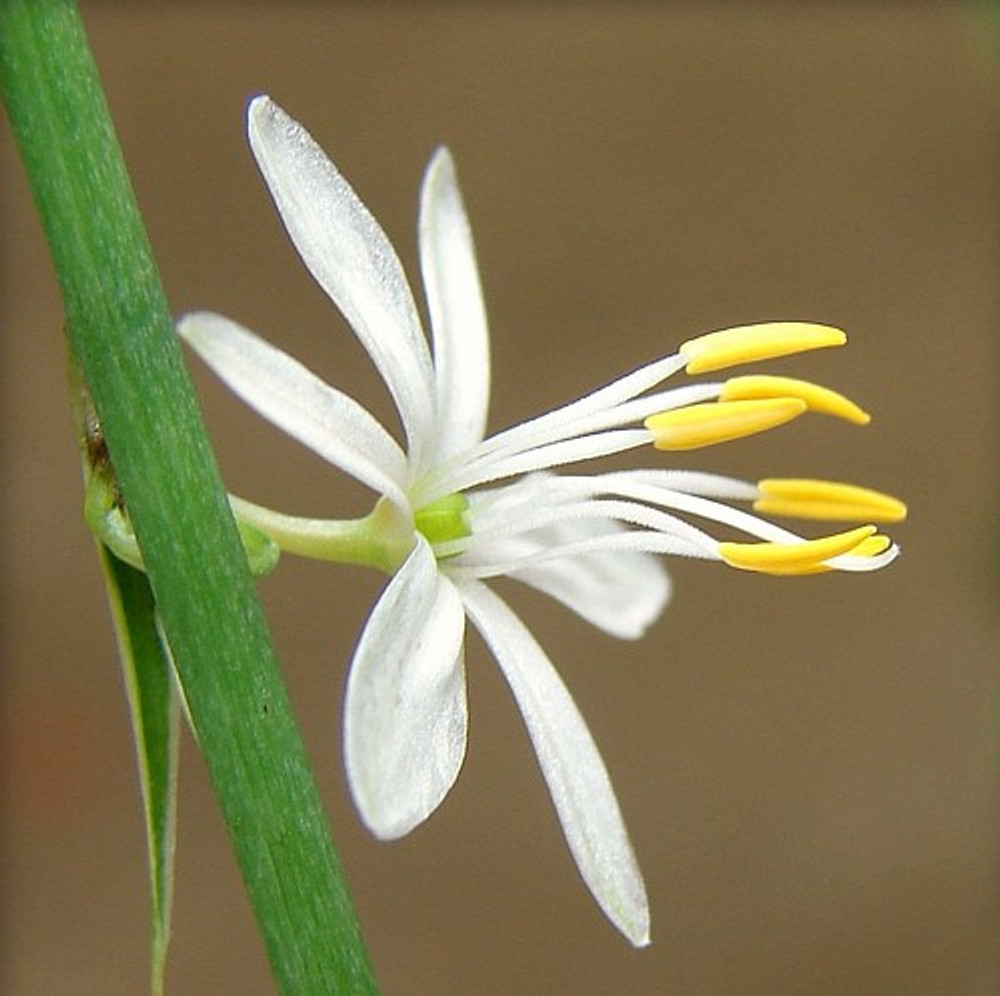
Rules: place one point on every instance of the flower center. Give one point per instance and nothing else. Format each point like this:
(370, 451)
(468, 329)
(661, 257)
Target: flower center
(444, 519)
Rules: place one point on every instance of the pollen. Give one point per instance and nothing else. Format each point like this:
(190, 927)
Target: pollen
(817, 398)
(831, 500)
(713, 422)
(749, 343)
(803, 557)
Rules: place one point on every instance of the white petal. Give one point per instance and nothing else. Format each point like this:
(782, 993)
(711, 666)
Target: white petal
(457, 311)
(293, 398)
(570, 762)
(620, 593)
(350, 256)
(405, 712)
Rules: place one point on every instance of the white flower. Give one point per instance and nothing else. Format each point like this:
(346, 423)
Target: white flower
(456, 508)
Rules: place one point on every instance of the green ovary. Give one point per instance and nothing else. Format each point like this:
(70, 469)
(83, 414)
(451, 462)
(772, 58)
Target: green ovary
(444, 519)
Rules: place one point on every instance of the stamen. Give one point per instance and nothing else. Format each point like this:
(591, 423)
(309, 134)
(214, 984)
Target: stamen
(799, 558)
(873, 546)
(809, 499)
(720, 421)
(747, 343)
(870, 547)
(819, 399)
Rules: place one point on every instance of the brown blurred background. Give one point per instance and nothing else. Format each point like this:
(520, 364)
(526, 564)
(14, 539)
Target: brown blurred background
(807, 768)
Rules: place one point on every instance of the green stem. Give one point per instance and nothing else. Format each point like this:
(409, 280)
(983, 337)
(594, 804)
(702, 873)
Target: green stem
(121, 334)
(380, 539)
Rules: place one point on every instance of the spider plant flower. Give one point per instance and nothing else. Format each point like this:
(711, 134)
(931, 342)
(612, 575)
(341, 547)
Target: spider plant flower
(456, 507)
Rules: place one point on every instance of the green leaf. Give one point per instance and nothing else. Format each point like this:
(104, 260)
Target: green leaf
(121, 335)
(153, 705)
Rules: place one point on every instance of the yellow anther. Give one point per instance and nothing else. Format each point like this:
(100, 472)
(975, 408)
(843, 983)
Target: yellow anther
(795, 558)
(808, 499)
(747, 343)
(870, 547)
(873, 546)
(719, 421)
(819, 399)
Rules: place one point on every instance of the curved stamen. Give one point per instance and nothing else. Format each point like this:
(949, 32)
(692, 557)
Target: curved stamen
(553, 426)
(627, 541)
(524, 461)
(793, 558)
(486, 462)
(817, 398)
(639, 486)
(504, 528)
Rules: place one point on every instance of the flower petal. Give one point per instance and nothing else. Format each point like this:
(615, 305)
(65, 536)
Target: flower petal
(350, 256)
(330, 423)
(405, 714)
(570, 762)
(457, 311)
(620, 593)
